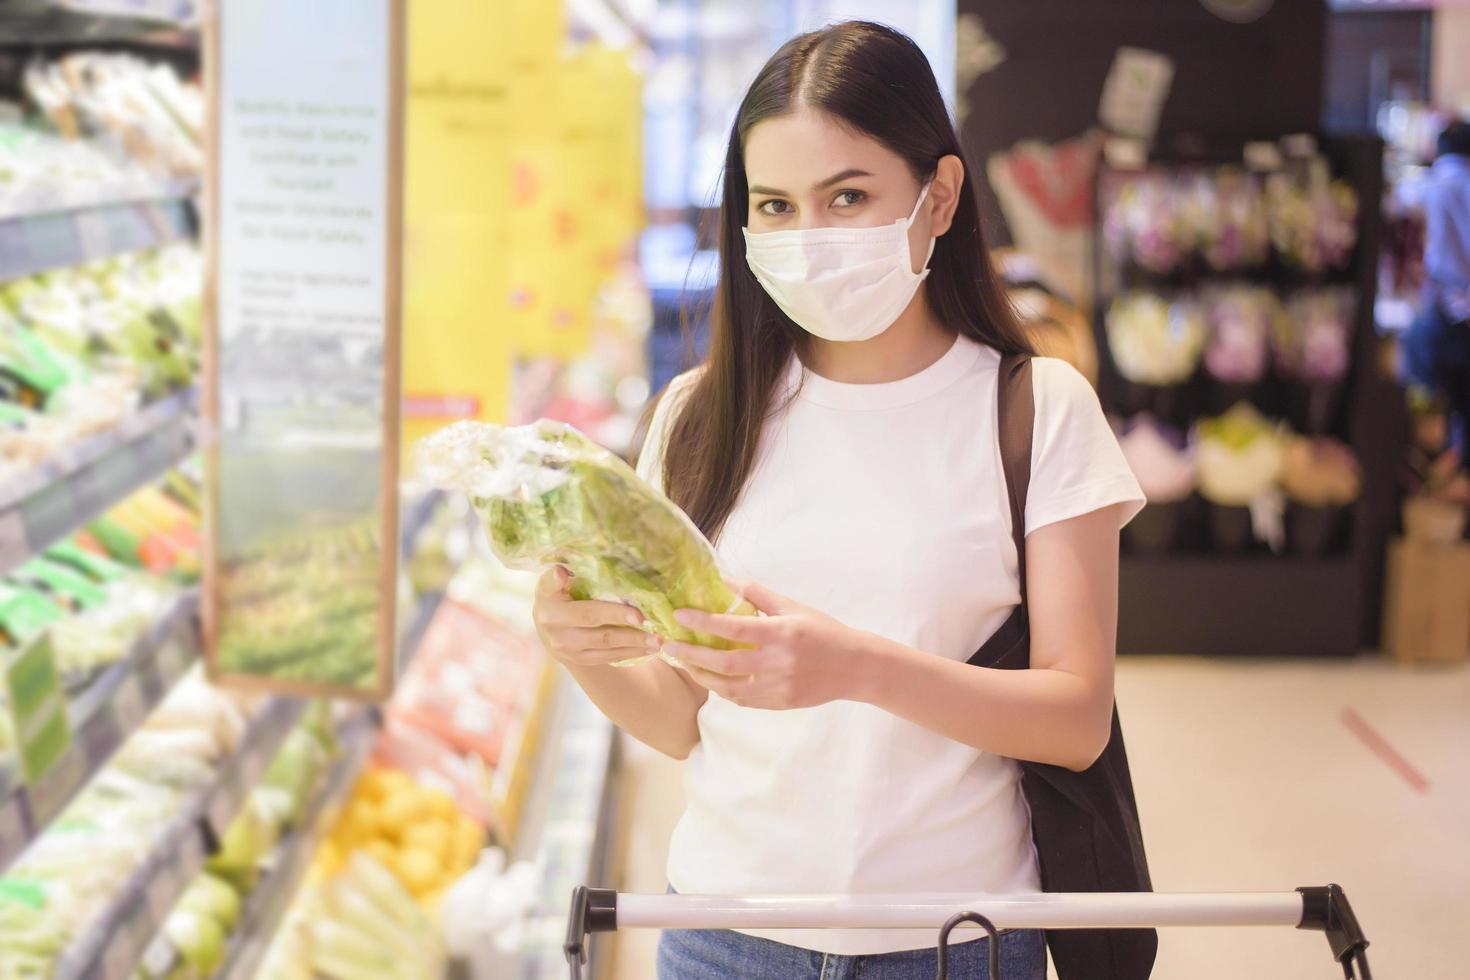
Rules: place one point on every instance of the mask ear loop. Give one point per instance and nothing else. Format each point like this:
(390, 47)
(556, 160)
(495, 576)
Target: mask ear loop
(909, 223)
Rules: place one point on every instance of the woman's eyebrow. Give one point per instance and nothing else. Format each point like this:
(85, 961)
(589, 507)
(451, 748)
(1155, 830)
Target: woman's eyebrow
(836, 178)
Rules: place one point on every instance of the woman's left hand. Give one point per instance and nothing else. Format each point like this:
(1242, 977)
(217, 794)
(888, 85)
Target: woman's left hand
(799, 658)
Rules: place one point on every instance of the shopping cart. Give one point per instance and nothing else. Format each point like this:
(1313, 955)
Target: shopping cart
(1324, 909)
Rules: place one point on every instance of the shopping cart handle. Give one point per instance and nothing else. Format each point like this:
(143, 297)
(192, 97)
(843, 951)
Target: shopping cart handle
(1325, 908)
(593, 910)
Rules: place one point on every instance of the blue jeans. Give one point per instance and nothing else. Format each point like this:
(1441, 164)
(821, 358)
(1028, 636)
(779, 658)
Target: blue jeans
(700, 954)
(1436, 355)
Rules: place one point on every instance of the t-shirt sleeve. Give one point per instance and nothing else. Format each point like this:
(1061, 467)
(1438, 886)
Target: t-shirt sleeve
(1077, 466)
(651, 458)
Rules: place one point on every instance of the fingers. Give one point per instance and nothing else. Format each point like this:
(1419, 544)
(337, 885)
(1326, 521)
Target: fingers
(588, 646)
(601, 658)
(725, 663)
(558, 611)
(749, 691)
(739, 629)
(606, 638)
(553, 583)
(769, 602)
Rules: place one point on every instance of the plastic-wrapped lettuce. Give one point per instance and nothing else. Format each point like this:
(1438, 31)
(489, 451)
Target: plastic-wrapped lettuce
(548, 495)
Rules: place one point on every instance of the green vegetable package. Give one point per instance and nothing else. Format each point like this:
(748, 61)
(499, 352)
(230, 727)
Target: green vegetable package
(548, 495)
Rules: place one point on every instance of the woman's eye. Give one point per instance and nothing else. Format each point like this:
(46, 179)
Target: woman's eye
(775, 207)
(847, 199)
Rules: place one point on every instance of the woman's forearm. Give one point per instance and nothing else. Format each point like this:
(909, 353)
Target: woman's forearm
(1039, 715)
(652, 702)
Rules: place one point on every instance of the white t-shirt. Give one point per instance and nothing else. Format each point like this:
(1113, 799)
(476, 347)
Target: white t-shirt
(885, 507)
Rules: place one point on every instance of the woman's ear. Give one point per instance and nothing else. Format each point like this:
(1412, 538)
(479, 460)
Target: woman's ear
(949, 177)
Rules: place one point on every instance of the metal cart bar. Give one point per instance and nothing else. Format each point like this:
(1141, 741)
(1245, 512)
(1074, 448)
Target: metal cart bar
(1069, 911)
(1324, 909)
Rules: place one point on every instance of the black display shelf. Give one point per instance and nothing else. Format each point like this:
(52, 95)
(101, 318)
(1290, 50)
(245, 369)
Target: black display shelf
(1193, 601)
(1231, 606)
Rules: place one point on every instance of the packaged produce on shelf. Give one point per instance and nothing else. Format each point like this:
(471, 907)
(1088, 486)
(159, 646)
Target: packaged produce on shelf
(1155, 340)
(40, 171)
(1322, 478)
(1165, 468)
(1243, 319)
(484, 913)
(144, 109)
(467, 712)
(506, 595)
(136, 315)
(1230, 219)
(1164, 221)
(199, 926)
(94, 609)
(84, 857)
(1145, 223)
(1314, 219)
(549, 495)
(81, 348)
(416, 832)
(30, 941)
(32, 372)
(156, 529)
(1239, 456)
(1320, 472)
(1161, 461)
(1313, 342)
(82, 860)
(467, 681)
(359, 923)
(429, 760)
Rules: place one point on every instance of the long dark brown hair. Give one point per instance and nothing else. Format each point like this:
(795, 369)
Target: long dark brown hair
(877, 81)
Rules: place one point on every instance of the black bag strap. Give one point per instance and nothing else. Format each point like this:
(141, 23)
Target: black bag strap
(1085, 825)
(1016, 421)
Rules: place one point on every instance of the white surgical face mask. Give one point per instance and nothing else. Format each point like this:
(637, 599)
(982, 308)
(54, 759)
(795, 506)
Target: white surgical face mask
(842, 284)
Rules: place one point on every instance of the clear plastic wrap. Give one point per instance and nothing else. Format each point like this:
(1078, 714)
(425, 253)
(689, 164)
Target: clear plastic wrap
(548, 496)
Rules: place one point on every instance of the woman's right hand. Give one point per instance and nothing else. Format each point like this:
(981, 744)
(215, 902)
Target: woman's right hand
(587, 633)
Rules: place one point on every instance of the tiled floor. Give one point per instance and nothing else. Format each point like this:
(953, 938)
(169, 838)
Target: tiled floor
(1252, 775)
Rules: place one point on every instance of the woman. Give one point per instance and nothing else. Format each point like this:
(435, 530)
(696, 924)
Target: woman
(840, 448)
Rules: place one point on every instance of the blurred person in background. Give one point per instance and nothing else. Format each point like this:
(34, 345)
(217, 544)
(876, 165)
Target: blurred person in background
(1436, 348)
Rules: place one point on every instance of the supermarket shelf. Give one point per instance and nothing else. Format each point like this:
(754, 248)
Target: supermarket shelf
(168, 11)
(565, 827)
(41, 241)
(50, 501)
(267, 905)
(112, 947)
(417, 517)
(417, 626)
(125, 694)
(68, 23)
(101, 719)
(1249, 605)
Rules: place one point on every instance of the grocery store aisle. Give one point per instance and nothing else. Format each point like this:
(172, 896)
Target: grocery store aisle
(1251, 775)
